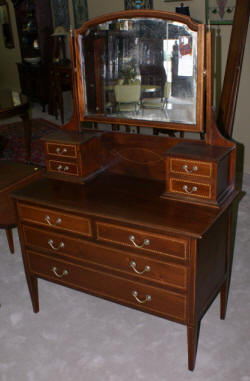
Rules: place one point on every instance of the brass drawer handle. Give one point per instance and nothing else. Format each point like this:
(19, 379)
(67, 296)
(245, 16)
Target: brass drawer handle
(193, 169)
(133, 265)
(58, 221)
(58, 150)
(54, 270)
(66, 168)
(60, 167)
(193, 190)
(147, 298)
(146, 242)
(51, 243)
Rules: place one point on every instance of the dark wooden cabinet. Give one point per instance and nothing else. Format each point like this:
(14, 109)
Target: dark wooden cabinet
(34, 82)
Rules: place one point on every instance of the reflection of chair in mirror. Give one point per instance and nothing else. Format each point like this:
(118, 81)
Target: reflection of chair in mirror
(157, 103)
(128, 97)
(152, 77)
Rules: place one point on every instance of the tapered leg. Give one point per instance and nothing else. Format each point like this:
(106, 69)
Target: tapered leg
(193, 338)
(229, 260)
(223, 300)
(10, 240)
(33, 289)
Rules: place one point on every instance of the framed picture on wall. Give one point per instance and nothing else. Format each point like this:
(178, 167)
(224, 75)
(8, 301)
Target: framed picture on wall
(220, 11)
(138, 4)
(61, 13)
(80, 9)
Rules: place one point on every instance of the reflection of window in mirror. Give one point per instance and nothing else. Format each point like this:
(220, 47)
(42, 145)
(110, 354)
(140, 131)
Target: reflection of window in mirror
(6, 25)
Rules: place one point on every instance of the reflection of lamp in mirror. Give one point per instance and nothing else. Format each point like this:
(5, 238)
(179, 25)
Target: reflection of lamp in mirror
(59, 51)
(182, 10)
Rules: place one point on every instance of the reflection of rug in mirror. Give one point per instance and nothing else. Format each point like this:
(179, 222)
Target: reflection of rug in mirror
(12, 137)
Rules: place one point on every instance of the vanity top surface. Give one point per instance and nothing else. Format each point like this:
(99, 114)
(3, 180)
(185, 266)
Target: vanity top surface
(62, 136)
(199, 150)
(125, 199)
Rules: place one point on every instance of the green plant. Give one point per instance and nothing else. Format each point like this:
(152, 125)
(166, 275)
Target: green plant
(127, 72)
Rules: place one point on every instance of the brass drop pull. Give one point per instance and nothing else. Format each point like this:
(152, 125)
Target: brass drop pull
(146, 242)
(193, 169)
(133, 265)
(60, 167)
(61, 152)
(54, 270)
(147, 298)
(51, 243)
(66, 168)
(189, 191)
(58, 221)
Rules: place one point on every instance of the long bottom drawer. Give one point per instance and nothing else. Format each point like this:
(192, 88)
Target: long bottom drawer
(151, 299)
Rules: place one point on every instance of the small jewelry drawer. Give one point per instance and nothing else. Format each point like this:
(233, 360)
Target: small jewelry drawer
(137, 266)
(152, 299)
(188, 188)
(55, 219)
(155, 243)
(63, 167)
(191, 167)
(60, 150)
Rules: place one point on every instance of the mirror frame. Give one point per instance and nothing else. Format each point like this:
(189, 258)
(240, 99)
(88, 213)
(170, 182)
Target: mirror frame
(164, 15)
(11, 44)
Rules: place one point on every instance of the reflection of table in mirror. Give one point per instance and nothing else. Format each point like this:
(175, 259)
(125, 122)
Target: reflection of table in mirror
(13, 103)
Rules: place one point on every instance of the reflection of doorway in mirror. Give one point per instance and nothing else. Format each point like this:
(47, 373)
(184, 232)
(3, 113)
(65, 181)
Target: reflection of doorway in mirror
(185, 67)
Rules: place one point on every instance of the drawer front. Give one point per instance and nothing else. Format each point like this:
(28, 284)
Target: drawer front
(143, 241)
(63, 167)
(55, 219)
(137, 266)
(61, 150)
(193, 189)
(134, 294)
(191, 167)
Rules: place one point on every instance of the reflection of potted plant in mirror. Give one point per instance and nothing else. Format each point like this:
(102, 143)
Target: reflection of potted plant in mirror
(127, 72)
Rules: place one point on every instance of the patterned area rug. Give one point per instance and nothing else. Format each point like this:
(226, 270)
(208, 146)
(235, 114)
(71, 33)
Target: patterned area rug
(12, 146)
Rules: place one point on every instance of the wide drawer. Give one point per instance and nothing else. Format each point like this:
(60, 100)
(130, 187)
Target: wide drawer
(55, 219)
(143, 241)
(134, 294)
(188, 188)
(138, 266)
(191, 167)
(61, 150)
(63, 167)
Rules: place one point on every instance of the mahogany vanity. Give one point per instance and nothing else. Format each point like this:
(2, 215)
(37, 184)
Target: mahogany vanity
(140, 220)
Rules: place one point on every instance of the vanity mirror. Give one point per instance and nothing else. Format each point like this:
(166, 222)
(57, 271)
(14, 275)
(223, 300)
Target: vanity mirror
(142, 68)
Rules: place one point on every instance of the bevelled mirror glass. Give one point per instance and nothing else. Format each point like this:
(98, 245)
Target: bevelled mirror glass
(141, 69)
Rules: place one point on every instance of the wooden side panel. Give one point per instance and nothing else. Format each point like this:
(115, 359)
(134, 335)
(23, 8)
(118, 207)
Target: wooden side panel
(211, 264)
